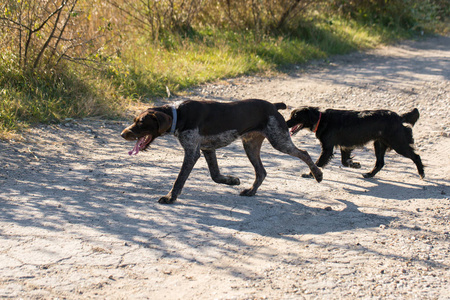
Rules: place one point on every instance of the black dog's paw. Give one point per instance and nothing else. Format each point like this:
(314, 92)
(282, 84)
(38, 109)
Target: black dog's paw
(166, 200)
(248, 193)
(367, 175)
(309, 175)
(354, 164)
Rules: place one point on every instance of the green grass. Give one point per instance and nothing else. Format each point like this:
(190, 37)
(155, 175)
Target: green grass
(27, 99)
(144, 69)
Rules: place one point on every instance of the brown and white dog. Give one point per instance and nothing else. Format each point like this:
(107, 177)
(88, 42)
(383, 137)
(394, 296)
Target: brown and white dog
(208, 125)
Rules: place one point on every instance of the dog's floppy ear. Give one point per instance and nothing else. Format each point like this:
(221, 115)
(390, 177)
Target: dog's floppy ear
(313, 115)
(164, 121)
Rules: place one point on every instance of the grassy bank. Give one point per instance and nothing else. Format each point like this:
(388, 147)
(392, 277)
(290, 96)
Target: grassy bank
(140, 69)
(145, 69)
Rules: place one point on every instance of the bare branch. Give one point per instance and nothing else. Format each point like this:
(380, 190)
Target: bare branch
(15, 23)
(44, 47)
(57, 11)
(64, 27)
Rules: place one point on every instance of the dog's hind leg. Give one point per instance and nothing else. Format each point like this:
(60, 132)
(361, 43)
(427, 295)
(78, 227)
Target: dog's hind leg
(211, 159)
(252, 144)
(402, 143)
(347, 160)
(324, 158)
(380, 151)
(408, 151)
(280, 139)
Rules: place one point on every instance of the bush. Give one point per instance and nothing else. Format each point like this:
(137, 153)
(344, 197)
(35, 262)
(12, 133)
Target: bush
(402, 14)
(76, 58)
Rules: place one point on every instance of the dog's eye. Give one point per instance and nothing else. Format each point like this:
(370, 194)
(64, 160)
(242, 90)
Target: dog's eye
(140, 121)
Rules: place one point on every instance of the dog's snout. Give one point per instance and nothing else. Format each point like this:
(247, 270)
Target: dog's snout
(125, 133)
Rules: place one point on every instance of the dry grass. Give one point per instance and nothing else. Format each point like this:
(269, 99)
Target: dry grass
(125, 59)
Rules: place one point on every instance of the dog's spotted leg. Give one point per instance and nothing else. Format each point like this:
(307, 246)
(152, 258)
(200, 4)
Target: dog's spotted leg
(278, 135)
(190, 141)
(324, 158)
(321, 162)
(211, 159)
(252, 144)
(190, 158)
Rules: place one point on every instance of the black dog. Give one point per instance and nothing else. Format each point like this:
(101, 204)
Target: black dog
(351, 129)
(208, 125)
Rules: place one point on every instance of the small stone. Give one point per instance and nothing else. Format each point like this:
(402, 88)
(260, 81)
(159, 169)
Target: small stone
(328, 208)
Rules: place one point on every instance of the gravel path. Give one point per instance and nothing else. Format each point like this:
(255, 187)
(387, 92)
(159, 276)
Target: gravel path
(79, 217)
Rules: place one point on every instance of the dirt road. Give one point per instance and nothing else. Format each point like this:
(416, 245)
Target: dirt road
(79, 217)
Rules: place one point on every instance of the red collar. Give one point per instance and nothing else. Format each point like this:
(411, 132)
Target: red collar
(317, 125)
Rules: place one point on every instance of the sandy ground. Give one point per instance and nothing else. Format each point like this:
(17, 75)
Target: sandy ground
(79, 217)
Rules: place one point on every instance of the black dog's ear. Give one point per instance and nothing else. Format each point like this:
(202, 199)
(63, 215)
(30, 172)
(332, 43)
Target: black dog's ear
(313, 115)
(293, 113)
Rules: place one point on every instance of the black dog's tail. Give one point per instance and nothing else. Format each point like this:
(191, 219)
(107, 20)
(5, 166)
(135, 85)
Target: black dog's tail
(411, 117)
(280, 105)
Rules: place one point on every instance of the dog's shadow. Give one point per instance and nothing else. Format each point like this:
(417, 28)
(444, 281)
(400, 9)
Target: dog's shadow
(396, 190)
(286, 215)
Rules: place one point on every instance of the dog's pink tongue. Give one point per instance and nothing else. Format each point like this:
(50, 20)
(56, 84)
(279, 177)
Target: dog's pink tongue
(140, 144)
(294, 129)
(137, 146)
(135, 149)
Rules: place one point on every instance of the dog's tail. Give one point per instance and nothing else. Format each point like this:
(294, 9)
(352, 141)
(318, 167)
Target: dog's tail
(411, 117)
(280, 105)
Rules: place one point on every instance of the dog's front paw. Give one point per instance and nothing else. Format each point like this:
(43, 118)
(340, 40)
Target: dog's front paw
(248, 192)
(367, 175)
(166, 200)
(232, 180)
(353, 164)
